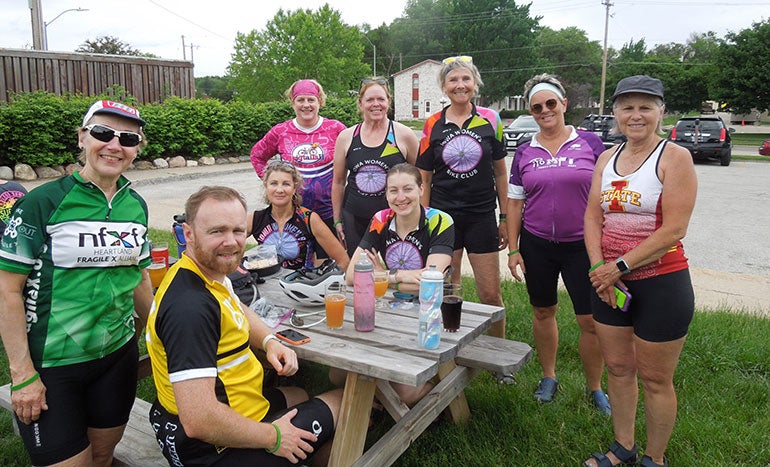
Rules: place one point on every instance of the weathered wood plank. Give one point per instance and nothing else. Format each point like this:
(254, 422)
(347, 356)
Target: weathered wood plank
(350, 436)
(138, 446)
(495, 354)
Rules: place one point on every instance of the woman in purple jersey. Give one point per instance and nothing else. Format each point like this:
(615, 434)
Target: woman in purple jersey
(307, 142)
(547, 196)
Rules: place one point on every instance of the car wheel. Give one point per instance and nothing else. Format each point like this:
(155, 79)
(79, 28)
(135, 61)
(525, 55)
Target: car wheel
(725, 157)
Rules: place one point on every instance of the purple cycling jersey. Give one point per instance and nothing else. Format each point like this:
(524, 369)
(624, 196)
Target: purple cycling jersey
(555, 187)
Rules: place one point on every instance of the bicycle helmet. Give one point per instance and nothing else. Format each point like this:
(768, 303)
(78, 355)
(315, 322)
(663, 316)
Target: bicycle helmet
(307, 285)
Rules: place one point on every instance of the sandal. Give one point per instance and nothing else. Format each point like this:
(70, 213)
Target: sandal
(601, 401)
(624, 455)
(648, 462)
(546, 389)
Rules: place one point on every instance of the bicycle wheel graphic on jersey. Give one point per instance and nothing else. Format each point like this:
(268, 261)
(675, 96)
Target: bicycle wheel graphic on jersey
(462, 154)
(370, 179)
(286, 244)
(403, 255)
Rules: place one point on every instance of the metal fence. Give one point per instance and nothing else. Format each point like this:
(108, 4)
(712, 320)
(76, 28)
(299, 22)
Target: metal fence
(147, 79)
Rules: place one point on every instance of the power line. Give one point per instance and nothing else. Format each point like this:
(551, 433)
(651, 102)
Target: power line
(189, 20)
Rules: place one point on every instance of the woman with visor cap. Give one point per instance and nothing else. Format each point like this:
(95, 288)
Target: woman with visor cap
(70, 280)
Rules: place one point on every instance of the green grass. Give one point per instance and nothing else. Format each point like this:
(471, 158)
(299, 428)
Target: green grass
(723, 386)
(749, 139)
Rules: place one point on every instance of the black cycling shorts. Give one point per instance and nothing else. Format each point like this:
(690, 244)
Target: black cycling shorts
(312, 415)
(477, 233)
(95, 394)
(544, 260)
(661, 307)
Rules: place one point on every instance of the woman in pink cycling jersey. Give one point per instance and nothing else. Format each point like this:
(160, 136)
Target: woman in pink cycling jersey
(307, 142)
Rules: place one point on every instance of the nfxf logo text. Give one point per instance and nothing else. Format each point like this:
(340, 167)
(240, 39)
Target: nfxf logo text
(107, 238)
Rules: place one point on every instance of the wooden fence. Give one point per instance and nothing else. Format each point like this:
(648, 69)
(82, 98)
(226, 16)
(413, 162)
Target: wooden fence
(147, 79)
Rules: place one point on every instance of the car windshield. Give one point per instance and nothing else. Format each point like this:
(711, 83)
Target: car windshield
(523, 122)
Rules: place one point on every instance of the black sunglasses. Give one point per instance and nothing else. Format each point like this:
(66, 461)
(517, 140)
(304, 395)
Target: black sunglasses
(105, 134)
(380, 81)
(550, 103)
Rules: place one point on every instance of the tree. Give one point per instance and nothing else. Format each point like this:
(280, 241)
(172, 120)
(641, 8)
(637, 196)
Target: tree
(110, 45)
(498, 34)
(215, 87)
(577, 62)
(744, 64)
(296, 45)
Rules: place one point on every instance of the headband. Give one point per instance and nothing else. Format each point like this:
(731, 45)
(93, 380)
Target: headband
(545, 87)
(305, 87)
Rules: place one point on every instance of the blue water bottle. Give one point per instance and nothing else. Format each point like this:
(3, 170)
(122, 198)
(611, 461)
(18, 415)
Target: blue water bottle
(431, 295)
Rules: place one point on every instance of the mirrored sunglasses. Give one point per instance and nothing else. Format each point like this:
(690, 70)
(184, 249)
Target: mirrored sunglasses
(550, 103)
(380, 81)
(127, 139)
(459, 58)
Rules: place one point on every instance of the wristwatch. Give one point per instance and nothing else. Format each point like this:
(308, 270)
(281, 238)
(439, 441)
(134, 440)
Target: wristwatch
(622, 266)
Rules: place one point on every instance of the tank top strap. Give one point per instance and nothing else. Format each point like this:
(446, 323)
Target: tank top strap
(391, 136)
(357, 131)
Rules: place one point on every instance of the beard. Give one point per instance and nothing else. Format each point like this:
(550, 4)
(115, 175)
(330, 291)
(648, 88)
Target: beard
(212, 261)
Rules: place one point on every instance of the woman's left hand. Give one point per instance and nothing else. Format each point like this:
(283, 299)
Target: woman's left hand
(603, 279)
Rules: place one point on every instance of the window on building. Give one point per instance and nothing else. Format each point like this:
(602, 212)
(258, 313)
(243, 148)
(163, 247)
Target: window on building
(415, 81)
(427, 107)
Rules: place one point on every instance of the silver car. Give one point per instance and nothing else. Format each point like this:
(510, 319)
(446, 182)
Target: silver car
(519, 131)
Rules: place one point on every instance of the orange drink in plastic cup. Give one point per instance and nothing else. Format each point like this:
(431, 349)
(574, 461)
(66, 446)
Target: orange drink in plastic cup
(334, 300)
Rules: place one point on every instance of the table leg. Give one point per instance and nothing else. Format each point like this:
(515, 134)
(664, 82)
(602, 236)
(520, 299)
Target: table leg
(459, 411)
(353, 420)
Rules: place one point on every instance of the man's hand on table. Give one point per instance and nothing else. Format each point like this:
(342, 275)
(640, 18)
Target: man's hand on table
(283, 359)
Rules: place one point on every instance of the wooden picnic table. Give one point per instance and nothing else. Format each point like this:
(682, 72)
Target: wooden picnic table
(387, 354)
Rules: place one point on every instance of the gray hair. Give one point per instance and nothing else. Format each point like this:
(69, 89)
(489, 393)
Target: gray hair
(543, 78)
(447, 67)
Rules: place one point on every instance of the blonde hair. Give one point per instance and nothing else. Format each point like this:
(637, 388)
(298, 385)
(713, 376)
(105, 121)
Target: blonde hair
(285, 167)
(468, 65)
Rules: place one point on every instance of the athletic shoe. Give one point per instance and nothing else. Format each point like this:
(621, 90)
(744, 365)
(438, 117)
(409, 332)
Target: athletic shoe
(546, 389)
(602, 402)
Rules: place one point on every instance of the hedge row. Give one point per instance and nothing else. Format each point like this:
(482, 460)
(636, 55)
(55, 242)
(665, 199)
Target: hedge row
(40, 128)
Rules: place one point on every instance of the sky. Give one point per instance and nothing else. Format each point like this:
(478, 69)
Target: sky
(210, 27)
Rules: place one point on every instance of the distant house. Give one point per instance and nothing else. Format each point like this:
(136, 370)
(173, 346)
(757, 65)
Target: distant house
(416, 91)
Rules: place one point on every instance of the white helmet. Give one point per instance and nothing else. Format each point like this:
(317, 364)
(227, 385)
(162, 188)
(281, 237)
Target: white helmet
(308, 285)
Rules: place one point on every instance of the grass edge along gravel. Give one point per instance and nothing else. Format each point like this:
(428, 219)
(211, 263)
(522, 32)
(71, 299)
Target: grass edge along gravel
(722, 382)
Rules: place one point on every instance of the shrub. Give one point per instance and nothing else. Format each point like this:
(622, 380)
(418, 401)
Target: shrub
(39, 128)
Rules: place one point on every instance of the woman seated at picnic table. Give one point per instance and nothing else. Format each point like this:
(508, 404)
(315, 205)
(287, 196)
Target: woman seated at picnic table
(405, 239)
(294, 230)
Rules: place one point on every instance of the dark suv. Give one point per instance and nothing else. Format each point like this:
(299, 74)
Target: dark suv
(706, 137)
(602, 125)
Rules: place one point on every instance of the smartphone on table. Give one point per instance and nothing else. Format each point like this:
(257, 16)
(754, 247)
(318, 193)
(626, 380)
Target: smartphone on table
(622, 297)
(292, 337)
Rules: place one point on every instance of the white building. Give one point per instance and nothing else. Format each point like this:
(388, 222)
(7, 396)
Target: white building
(416, 91)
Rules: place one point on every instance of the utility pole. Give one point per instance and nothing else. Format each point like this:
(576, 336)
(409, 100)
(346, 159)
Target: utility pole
(184, 51)
(604, 55)
(38, 26)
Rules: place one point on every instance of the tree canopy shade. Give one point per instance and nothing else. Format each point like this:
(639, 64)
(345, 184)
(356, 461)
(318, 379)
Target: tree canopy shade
(568, 54)
(295, 45)
(744, 60)
(498, 34)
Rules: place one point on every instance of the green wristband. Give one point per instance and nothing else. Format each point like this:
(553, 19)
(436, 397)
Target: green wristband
(26, 383)
(511, 253)
(337, 223)
(596, 266)
(277, 440)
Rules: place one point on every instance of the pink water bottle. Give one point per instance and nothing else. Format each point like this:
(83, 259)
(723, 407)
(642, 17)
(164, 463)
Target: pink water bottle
(363, 294)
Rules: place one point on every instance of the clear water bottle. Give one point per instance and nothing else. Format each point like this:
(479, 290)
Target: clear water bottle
(363, 294)
(431, 295)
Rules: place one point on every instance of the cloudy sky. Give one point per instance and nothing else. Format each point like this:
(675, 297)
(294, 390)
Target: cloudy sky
(210, 27)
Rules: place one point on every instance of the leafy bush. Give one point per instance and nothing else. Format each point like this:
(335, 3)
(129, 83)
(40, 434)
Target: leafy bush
(39, 128)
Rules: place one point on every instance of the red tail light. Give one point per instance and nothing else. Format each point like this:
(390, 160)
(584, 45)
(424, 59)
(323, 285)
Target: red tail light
(722, 134)
(673, 133)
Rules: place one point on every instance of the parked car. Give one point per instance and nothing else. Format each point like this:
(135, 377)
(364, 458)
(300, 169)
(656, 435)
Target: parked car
(764, 150)
(706, 137)
(519, 131)
(602, 125)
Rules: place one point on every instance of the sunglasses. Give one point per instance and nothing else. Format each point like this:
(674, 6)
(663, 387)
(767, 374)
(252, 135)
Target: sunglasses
(550, 103)
(459, 58)
(380, 81)
(281, 163)
(105, 134)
